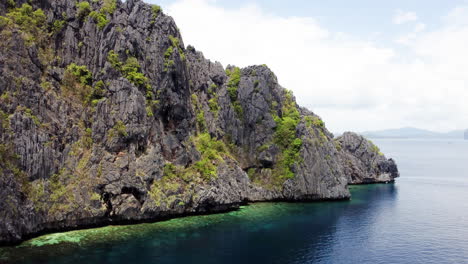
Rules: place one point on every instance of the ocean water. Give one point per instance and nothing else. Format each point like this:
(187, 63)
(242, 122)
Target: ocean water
(422, 218)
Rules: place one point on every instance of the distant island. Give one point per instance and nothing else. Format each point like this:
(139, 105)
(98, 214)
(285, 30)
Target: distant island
(411, 132)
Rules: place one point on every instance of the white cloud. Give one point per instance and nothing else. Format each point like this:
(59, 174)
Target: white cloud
(408, 38)
(419, 27)
(402, 17)
(354, 84)
(457, 16)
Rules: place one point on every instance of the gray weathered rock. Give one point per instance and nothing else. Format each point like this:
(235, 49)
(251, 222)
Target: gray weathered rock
(171, 136)
(363, 162)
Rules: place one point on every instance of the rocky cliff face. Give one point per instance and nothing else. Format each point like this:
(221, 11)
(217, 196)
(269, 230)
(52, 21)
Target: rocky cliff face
(363, 162)
(106, 117)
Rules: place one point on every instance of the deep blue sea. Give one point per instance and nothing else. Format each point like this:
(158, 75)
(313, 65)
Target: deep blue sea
(422, 218)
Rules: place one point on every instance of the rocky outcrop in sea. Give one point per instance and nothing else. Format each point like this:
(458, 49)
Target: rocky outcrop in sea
(363, 161)
(107, 117)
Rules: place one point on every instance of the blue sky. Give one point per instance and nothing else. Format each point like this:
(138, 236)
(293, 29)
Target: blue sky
(361, 17)
(361, 64)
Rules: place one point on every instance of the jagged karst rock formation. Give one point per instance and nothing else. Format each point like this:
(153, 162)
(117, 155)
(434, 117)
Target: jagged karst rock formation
(363, 162)
(106, 117)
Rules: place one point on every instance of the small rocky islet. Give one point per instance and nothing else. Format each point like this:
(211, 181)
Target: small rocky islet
(106, 117)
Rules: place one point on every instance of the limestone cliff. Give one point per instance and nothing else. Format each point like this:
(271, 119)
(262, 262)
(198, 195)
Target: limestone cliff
(106, 117)
(363, 162)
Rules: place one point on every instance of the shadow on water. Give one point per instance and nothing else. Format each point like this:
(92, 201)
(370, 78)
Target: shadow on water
(258, 233)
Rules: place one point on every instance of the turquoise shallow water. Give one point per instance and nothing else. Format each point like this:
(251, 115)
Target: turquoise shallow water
(423, 218)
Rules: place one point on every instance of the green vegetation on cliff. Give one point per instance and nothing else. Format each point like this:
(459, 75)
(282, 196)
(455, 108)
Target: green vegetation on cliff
(214, 106)
(62, 192)
(285, 137)
(212, 153)
(155, 9)
(82, 73)
(177, 182)
(84, 8)
(316, 126)
(118, 130)
(289, 144)
(101, 17)
(374, 148)
(232, 87)
(131, 70)
(77, 82)
(31, 23)
(169, 62)
(200, 114)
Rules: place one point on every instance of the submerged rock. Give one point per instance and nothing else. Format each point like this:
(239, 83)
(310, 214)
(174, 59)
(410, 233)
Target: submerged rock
(106, 117)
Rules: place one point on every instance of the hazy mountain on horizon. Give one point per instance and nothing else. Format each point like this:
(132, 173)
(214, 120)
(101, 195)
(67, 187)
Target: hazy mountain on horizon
(412, 132)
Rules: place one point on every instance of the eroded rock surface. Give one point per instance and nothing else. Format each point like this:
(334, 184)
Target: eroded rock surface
(106, 117)
(363, 162)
